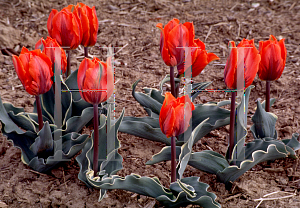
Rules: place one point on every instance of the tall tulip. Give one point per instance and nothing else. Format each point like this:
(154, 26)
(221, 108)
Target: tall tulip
(95, 83)
(174, 118)
(173, 40)
(250, 61)
(65, 27)
(273, 58)
(34, 70)
(48, 47)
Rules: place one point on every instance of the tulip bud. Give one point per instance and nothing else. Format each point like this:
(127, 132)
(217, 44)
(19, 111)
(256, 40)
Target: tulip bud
(175, 115)
(95, 80)
(273, 58)
(34, 69)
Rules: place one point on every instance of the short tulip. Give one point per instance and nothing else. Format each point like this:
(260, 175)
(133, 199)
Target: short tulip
(65, 27)
(48, 47)
(173, 40)
(95, 80)
(175, 115)
(251, 61)
(273, 57)
(34, 69)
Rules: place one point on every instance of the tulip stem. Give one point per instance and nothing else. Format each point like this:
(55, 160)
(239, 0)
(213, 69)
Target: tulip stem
(172, 80)
(86, 52)
(268, 85)
(69, 63)
(232, 122)
(173, 159)
(96, 140)
(39, 112)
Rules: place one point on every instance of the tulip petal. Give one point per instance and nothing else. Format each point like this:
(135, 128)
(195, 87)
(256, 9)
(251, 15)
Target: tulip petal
(178, 38)
(49, 22)
(230, 67)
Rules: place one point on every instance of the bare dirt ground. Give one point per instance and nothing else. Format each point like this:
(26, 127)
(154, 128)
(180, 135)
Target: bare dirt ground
(130, 24)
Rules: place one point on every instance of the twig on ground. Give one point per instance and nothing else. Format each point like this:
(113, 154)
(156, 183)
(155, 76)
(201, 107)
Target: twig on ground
(275, 198)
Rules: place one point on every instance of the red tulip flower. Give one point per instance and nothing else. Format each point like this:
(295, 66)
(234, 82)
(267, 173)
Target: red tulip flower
(250, 61)
(273, 57)
(89, 23)
(173, 40)
(65, 27)
(34, 69)
(95, 83)
(175, 115)
(48, 47)
(95, 80)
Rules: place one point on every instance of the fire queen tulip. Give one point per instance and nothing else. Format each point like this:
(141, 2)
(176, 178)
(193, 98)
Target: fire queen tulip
(89, 23)
(175, 115)
(95, 80)
(65, 27)
(34, 69)
(48, 47)
(273, 57)
(251, 61)
(173, 40)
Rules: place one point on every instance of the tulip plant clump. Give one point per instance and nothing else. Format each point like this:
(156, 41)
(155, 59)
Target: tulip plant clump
(52, 133)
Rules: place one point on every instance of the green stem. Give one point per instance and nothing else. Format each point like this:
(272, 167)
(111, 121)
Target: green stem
(232, 121)
(96, 139)
(172, 80)
(39, 112)
(86, 52)
(268, 85)
(173, 159)
(68, 63)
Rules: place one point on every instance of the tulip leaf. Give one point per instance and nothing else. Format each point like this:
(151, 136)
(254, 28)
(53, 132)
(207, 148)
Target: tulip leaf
(198, 87)
(146, 100)
(293, 142)
(167, 79)
(211, 111)
(155, 94)
(240, 130)
(9, 107)
(76, 123)
(186, 148)
(223, 103)
(140, 128)
(110, 161)
(79, 106)
(43, 145)
(151, 114)
(22, 121)
(153, 122)
(72, 84)
(272, 101)
(264, 123)
(181, 193)
(231, 173)
(7, 124)
(164, 155)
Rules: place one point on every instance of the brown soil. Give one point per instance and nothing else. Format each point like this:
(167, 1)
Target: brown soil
(131, 24)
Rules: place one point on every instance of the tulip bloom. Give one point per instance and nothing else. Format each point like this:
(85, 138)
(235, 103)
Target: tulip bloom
(250, 61)
(48, 47)
(175, 115)
(34, 69)
(65, 27)
(273, 57)
(173, 40)
(89, 23)
(95, 80)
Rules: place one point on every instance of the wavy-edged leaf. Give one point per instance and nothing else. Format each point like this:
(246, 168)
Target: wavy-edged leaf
(293, 142)
(167, 79)
(194, 192)
(163, 155)
(144, 130)
(146, 100)
(110, 161)
(231, 173)
(272, 101)
(198, 88)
